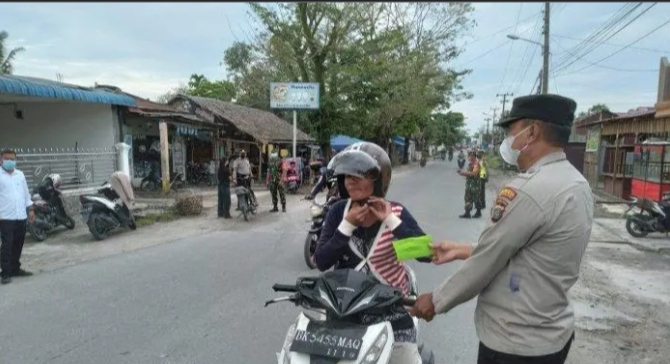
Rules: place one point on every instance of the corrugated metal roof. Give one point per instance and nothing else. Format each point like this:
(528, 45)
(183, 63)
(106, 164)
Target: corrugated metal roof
(37, 87)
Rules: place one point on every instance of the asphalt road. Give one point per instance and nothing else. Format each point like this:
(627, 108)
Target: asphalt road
(200, 300)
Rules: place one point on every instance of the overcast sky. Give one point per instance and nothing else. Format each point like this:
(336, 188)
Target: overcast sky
(148, 48)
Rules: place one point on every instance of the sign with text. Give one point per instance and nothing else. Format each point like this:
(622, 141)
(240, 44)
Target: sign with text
(294, 96)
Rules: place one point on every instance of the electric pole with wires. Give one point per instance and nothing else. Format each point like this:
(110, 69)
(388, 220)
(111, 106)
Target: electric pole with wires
(545, 51)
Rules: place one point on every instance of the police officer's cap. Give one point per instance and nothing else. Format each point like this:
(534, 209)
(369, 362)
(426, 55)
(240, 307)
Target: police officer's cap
(552, 109)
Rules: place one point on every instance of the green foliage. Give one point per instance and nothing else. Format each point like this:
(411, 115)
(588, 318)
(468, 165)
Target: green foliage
(7, 56)
(199, 85)
(594, 109)
(383, 68)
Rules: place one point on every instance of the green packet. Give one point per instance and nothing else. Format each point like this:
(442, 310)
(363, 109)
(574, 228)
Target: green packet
(412, 248)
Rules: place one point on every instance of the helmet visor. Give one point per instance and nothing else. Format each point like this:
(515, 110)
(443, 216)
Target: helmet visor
(356, 163)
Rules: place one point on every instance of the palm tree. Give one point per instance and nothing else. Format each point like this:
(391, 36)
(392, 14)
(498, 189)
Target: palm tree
(7, 56)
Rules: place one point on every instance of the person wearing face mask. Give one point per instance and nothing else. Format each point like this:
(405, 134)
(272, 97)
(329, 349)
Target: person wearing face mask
(529, 254)
(242, 170)
(472, 186)
(16, 207)
(358, 231)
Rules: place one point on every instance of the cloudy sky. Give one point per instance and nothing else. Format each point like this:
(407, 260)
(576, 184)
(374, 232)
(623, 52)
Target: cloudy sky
(149, 48)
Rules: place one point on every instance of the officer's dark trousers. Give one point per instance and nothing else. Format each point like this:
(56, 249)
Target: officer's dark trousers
(490, 356)
(12, 233)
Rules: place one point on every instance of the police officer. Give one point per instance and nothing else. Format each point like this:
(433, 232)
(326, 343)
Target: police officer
(528, 256)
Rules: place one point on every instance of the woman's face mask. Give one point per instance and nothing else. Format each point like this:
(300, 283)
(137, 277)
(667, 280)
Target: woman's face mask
(508, 154)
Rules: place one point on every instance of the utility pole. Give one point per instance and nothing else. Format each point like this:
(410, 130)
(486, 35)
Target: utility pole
(494, 118)
(504, 104)
(539, 85)
(545, 51)
(504, 101)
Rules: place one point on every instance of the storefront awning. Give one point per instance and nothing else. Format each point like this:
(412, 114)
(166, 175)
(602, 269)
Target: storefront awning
(37, 87)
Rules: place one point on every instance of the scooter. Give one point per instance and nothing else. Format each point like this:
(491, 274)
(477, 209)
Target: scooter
(153, 181)
(422, 161)
(246, 199)
(49, 209)
(461, 161)
(318, 212)
(343, 295)
(651, 216)
(110, 208)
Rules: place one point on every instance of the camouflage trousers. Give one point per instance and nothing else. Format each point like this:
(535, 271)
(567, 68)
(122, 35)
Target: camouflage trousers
(473, 196)
(276, 187)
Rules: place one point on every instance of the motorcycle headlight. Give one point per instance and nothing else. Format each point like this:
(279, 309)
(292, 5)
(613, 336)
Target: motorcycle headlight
(375, 351)
(315, 211)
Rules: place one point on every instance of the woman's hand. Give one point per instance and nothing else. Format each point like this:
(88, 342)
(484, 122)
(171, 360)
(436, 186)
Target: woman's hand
(380, 208)
(357, 214)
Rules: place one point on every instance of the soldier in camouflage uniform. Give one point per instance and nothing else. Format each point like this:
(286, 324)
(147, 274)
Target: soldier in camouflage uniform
(274, 181)
(472, 187)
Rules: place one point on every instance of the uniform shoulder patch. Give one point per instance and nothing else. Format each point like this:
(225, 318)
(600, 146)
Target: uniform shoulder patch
(507, 193)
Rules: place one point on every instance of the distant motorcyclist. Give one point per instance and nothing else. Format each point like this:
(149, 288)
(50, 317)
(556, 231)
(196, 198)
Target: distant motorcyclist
(461, 159)
(327, 179)
(451, 153)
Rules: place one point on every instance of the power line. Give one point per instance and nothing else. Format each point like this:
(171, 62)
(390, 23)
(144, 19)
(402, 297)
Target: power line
(615, 45)
(584, 48)
(509, 55)
(488, 52)
(622, 49)
(500, 31)
(535, 34)
(601, 66)
(609, 37)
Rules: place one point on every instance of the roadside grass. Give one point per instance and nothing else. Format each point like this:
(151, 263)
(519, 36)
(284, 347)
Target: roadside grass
(152, 218)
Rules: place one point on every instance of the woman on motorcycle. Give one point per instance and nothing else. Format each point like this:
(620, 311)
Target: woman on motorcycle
(358, 231)
(325, 181)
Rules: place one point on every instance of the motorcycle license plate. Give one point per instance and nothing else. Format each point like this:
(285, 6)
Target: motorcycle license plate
(322, 339)
(85, 213)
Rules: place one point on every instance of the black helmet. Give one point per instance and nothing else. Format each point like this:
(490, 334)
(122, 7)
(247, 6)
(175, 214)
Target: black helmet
(365, 160)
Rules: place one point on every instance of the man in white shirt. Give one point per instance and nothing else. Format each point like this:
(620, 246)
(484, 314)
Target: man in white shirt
(15, 208)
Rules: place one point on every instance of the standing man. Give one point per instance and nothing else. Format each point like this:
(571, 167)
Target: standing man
(528, 256)
(223, 206)
(274, 181)
(472, 186)
(242, 170)
(15, 207)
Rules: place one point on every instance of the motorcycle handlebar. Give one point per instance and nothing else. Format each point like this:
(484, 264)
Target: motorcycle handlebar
(408, 301)
(284, 288)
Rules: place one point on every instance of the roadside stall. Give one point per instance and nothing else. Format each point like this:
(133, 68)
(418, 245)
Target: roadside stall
(651, 169)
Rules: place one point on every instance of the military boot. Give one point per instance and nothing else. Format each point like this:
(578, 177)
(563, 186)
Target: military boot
(283, 207)
(274, 208)
(466, 215)
(477, 214)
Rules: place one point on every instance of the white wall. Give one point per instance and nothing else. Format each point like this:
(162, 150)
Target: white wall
(58, 125)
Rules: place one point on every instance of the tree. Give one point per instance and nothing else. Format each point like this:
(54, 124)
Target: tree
(199, 85)
(597, 108)
(379, 72)
(445, 129)
(7, 56)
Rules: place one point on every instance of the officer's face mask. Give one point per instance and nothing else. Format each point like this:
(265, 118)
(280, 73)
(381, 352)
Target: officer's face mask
(8, 165)
(508, 154)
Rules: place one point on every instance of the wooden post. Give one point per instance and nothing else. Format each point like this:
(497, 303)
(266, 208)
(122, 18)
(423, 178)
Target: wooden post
(165, 155)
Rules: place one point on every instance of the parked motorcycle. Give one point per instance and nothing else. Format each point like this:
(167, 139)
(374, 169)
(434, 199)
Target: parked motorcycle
(246, 199)
(110, 209)
(422, 161)
(651, 217)
(197, 173)
(49, 209)
(153, 181)
(343, 295)
(318, 212)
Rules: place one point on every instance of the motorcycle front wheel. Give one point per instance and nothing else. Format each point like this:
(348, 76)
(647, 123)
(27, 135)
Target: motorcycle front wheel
(37, 233)
(634, 228)
(308, 250)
